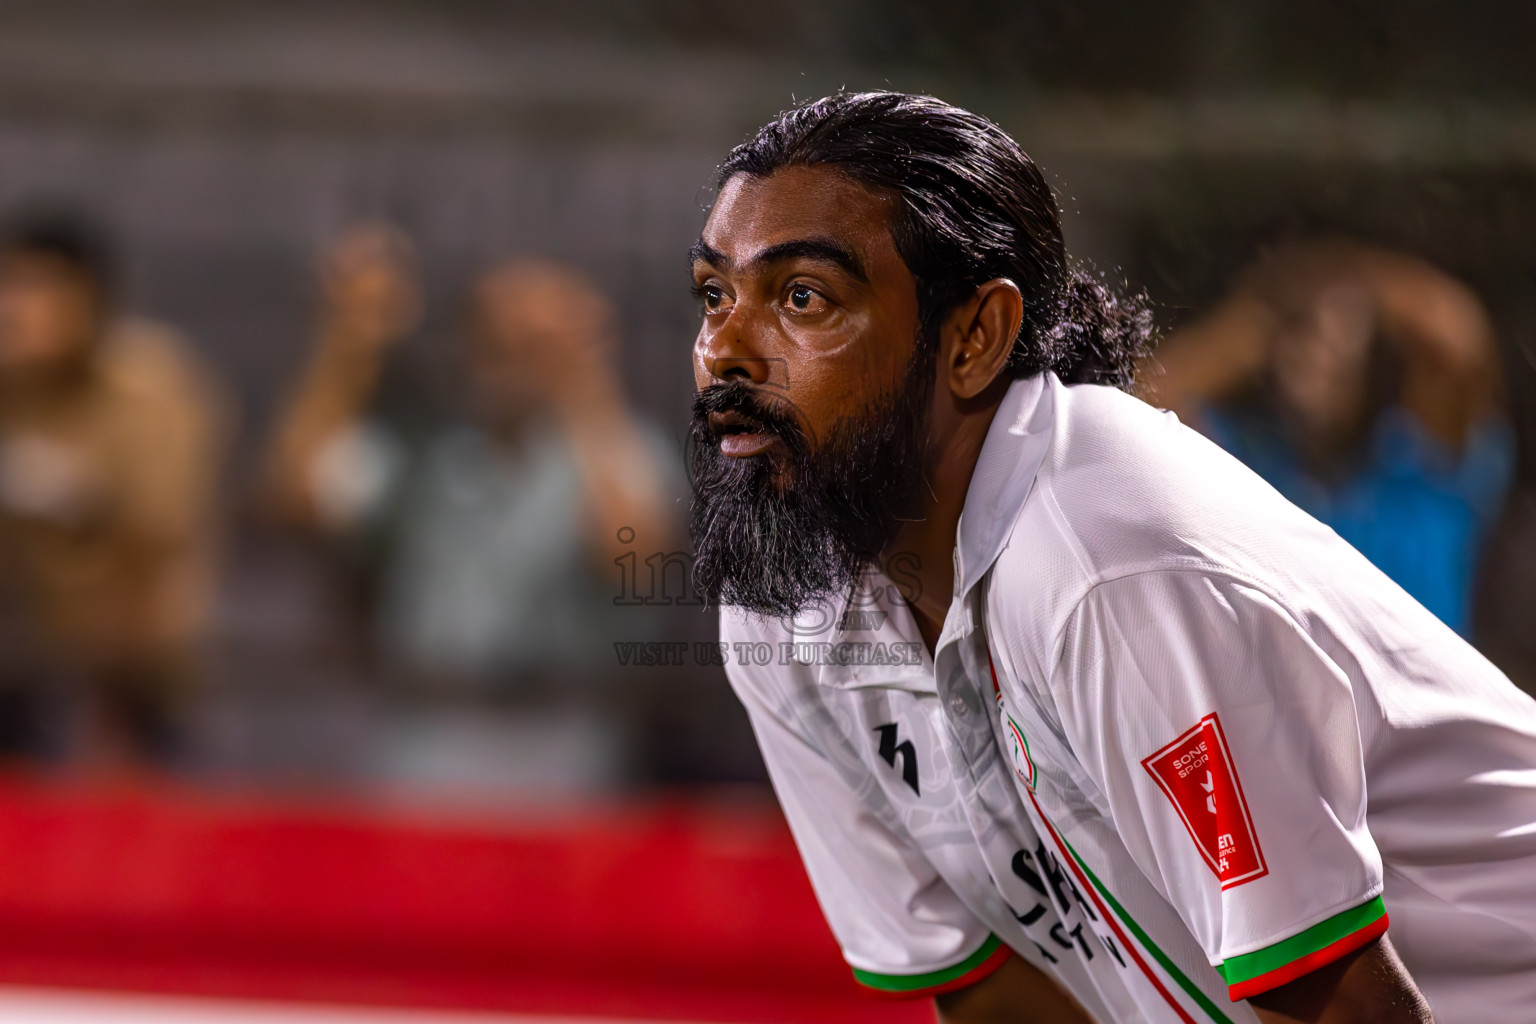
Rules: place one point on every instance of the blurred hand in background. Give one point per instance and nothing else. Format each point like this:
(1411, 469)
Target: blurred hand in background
(369, 292)
(369, 299)
(1364, 385)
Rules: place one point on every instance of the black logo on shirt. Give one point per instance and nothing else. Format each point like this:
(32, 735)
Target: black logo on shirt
(889, 748)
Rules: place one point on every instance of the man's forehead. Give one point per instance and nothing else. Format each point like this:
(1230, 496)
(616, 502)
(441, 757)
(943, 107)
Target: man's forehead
(754, 213)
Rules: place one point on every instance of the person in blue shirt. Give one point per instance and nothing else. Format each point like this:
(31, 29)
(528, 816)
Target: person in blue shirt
(1363, 384)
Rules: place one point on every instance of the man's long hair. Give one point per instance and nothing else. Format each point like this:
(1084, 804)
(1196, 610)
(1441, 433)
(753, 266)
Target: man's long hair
(973, 207)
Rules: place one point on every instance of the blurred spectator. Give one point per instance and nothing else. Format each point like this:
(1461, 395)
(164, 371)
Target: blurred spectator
(1362, 384)
(109, 452)
(493, 533)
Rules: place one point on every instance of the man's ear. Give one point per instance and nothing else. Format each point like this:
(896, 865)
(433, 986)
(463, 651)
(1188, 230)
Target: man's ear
(981, 332)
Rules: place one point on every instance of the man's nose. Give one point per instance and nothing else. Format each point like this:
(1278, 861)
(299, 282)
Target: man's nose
(729, 354)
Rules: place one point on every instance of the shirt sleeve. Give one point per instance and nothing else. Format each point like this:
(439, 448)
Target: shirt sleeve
(1226, 746)
(901, 927)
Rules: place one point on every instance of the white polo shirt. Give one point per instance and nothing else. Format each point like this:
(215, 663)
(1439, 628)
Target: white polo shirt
(1179, 743)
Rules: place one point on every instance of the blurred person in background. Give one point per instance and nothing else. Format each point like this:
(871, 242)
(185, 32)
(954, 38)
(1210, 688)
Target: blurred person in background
(492, 533)
(1362, 384)
(110, 441)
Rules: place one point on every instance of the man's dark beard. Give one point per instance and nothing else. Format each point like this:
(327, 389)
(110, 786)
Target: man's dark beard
(774, 532)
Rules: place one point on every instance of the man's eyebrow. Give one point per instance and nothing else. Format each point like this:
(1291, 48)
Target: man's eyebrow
(819, 250)
(702, 252)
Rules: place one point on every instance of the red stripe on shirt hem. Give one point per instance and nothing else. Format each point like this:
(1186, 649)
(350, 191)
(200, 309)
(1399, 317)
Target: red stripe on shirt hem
(1309, 963)
(999, 956)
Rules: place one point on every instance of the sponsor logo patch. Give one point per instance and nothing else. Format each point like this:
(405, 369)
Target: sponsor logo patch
(1195, 772)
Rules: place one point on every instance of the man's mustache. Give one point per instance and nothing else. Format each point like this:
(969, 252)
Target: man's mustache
(747, 401)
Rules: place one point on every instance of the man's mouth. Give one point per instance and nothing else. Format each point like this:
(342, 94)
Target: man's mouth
(740, 437)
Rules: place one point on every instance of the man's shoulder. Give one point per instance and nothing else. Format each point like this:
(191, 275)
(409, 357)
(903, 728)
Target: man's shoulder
(1111, 450)
(1126, 489)
(150, 360)
(1138, 490)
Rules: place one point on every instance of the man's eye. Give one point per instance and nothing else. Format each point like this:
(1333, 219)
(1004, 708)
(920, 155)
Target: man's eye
(801, 297)
(713, 298)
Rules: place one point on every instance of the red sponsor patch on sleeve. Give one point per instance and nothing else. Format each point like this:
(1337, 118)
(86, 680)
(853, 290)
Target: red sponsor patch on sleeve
(1195, 772)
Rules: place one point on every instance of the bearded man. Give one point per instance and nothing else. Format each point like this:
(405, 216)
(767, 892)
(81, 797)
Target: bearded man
(1170, 749)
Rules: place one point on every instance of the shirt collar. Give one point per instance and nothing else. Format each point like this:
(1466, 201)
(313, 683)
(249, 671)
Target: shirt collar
(1010, 459)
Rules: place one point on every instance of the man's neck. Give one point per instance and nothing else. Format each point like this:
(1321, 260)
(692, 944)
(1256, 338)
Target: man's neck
(932, 538)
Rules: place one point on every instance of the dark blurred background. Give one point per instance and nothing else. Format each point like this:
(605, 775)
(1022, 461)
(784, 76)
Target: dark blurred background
(226, 147)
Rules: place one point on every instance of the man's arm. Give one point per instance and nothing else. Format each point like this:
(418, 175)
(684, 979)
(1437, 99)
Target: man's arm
(1209, 358)
(1436, 326)
(1442, 333)
(1015, 992)
(1369, 986)
(370, 300)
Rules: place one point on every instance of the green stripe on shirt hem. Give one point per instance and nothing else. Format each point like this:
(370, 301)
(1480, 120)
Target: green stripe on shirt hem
(918, 982)
(1242, 968)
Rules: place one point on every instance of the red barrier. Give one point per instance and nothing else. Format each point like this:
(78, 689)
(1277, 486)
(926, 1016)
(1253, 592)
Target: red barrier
(683, 911)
